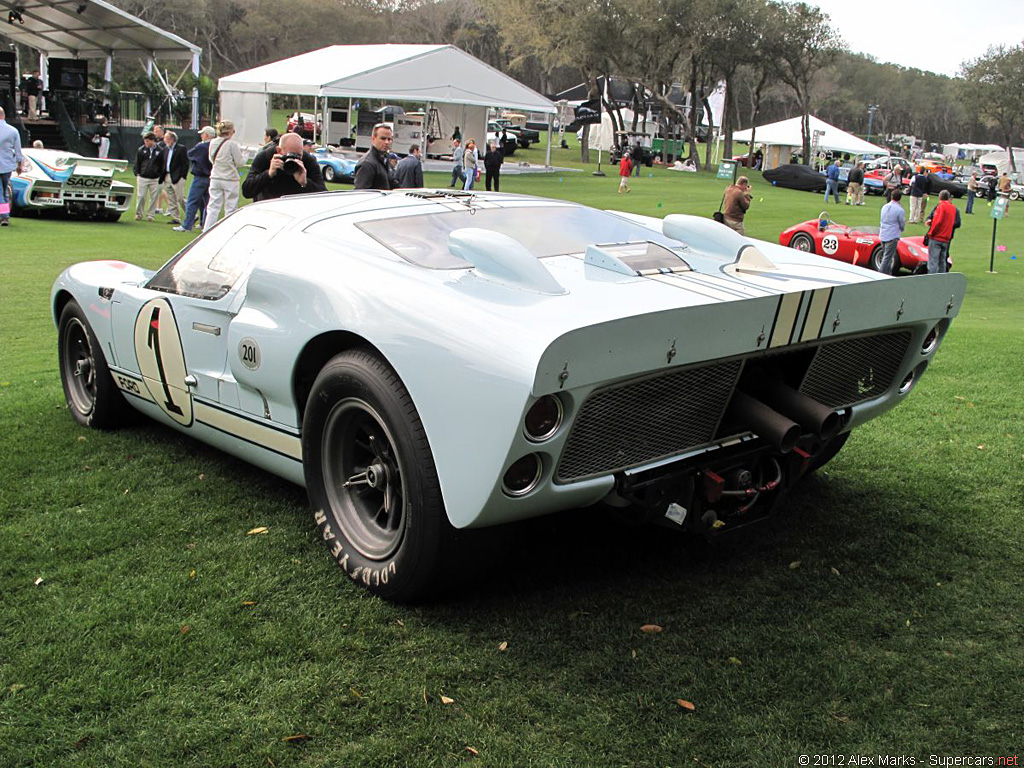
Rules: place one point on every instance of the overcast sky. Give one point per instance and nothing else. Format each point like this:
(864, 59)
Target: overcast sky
(934, 35)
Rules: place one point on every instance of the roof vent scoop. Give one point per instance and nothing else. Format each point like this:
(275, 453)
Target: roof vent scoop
(503, 259)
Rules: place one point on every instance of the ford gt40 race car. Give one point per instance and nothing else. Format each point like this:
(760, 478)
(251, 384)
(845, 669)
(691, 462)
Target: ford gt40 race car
(335, 167)
(426, 361)
(860, 246)
(54, 180)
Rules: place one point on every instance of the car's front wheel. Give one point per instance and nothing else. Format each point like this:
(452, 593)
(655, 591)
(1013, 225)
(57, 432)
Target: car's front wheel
(328, 173)
(91, 394)
(802, 242)
(371, 479)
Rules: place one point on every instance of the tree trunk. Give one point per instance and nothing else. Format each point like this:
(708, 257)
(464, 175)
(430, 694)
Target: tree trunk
(805, 130)
(694, 153)
(753, 120)
(727, 116)
(711, 131)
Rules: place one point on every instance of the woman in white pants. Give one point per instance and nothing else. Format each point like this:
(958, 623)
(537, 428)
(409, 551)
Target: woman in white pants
(226, 158)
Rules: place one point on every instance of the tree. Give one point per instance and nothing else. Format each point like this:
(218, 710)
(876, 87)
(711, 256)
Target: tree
(806, 44)
(995, 83)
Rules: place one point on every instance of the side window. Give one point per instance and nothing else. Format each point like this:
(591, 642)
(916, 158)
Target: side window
(213, 264)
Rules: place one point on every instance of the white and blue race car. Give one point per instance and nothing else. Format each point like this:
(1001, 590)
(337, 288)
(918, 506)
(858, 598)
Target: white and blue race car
(57, 181)
(336, 167)
(427, 361)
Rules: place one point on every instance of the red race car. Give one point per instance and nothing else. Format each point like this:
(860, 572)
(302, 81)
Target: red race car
(855, 245)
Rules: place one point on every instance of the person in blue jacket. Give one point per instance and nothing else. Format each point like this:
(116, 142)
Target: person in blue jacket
(832, 181)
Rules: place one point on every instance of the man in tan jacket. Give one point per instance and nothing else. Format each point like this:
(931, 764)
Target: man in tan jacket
(737, 201)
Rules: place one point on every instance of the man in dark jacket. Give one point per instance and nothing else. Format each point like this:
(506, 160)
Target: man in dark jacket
(855, 185)
(493, 159)
(920, 186)
(409, 173)
(149, 167)
(172, 178)
(199, 191)
(372, 169)
(283, 170)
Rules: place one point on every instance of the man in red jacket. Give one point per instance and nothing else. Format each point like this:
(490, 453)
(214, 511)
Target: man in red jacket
(940, 233)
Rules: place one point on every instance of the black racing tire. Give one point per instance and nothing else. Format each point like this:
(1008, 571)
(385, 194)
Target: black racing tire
(828, 452)
(875, 260)
(801, 241)
(111, 216)
(371, 479)
(328, 173)
(91, 394)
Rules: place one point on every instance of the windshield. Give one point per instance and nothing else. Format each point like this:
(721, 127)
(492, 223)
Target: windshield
(549, 230)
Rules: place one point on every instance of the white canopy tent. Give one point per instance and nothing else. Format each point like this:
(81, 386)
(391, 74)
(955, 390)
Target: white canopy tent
(1001, 160)
(93, 30)
(782, 136)
(460, 86)
(970, 151)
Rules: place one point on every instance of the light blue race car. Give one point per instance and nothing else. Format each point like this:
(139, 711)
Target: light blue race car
(335, 168)
(54, 181)
(426, 361)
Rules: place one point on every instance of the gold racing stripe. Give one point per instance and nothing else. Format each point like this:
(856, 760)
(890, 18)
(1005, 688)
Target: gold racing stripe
(785, 319)
(816, 314)
(258, 434)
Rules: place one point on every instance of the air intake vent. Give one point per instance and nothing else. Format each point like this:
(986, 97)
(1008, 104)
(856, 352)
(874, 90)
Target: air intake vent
(851, 371)
(643, 420)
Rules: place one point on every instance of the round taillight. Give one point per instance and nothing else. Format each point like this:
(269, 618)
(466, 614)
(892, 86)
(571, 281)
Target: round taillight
(544, 418)
(908, 382)
(523, 476)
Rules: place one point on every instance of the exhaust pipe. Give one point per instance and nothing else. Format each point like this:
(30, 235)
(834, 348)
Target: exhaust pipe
(811, 415)
(749, 413)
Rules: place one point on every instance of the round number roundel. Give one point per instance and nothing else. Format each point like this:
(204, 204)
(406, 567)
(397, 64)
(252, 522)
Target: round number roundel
(830, 244)
(162, 360)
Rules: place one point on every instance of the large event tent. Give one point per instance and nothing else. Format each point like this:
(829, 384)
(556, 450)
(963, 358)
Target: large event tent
(460, 86)
(782, 137)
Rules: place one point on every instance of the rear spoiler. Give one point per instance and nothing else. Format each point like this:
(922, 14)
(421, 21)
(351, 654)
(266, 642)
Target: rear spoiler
(97, 162)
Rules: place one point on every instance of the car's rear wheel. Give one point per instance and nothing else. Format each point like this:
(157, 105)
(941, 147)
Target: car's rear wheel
(1015, 194)
(371, 479)
(875, 260)
(328, 173)
(91, 394)
(802, 242)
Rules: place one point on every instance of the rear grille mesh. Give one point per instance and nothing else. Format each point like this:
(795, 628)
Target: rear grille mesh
(643, 420)
(851, 371)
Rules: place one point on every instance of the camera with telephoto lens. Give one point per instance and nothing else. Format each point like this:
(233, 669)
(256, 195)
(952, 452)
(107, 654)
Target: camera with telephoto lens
(292, 162)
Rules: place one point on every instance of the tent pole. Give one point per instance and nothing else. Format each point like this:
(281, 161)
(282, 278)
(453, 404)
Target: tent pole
(149, 76)
(108, 66)
(547, 157)
(44, 75)
(195, 92)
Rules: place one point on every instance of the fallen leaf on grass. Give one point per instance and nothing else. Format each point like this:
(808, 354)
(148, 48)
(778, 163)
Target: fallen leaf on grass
(651, 629)
(447, 699)
(841, 718)
(473, 752)
(734, 660)
(82, 438)
(687, 705)
(185, 629)
(633, 653)
(981, 447)
(192, 573)
(424, 695)
(835, 571)
(959, 397)
(399, 622)
(260, 529)
(82, 742)
(298, 737)
(355, 693)
(503, 646)
(248, 603)
(202, 476)
(38, 581)
(794, 565)
(15, 687)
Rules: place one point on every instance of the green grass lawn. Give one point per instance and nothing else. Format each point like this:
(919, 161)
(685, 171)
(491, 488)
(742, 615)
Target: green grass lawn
(881, 615)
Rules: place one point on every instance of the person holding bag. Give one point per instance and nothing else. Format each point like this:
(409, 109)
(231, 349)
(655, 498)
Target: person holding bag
(469, 170)
(225, 160)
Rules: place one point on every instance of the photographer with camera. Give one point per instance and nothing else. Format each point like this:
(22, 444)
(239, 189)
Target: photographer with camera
(283, 170)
